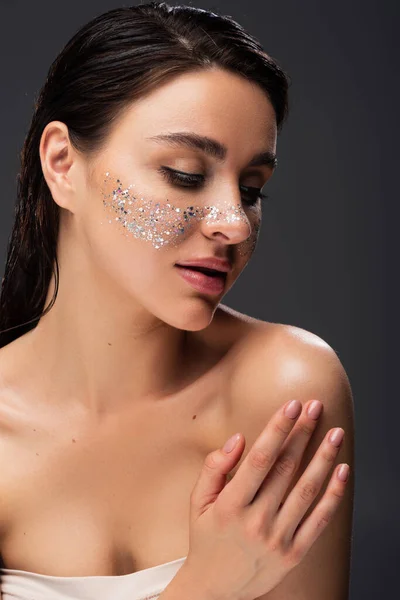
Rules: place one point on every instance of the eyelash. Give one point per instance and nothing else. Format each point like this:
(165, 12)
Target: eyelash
(194, 181)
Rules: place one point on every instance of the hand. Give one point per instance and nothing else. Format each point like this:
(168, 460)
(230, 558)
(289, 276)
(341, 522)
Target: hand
(242, 540)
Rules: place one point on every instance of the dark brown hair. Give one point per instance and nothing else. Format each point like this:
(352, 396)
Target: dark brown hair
(108, 64)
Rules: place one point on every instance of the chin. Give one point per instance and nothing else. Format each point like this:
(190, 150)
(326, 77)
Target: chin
(194, 314)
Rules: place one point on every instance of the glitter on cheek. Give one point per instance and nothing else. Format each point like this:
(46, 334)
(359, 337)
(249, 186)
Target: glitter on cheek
(246, 248)
(165, 224)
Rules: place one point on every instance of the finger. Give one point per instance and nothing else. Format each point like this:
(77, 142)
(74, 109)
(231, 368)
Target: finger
(314, 525)
(307, 488)
(275, 485)
(261, 457)
(212, 478)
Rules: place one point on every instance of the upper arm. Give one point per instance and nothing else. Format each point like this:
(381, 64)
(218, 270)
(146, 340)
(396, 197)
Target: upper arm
(303, 367)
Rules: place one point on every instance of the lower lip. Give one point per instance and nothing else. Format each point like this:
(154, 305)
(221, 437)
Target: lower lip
(201, 282)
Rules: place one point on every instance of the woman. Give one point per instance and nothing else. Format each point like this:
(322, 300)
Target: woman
(122, 374)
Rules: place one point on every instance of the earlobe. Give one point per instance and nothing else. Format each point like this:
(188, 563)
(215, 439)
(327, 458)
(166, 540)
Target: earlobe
(56, 156)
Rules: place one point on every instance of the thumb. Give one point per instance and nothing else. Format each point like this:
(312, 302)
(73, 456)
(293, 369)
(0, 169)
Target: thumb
(212, 478)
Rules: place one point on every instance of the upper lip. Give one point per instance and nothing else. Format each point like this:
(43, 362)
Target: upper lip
(211, 262)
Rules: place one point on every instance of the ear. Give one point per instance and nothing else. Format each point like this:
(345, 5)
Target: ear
(58, 159)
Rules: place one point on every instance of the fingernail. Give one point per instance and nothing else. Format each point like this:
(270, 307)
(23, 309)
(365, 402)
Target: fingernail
(314, 410)
(343, 472)
(231, 443)
(293, 409)
(336, 436)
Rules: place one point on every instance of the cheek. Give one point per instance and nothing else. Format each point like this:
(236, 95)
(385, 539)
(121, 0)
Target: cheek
(157, 223)
(119, 262)
(121, 265)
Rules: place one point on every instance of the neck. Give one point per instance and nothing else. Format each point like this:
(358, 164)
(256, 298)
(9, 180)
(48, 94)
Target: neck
(105, 358)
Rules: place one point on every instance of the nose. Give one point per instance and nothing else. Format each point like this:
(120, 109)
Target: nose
(226, 220)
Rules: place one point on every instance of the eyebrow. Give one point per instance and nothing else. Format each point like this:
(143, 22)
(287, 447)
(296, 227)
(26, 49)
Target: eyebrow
(212, 147)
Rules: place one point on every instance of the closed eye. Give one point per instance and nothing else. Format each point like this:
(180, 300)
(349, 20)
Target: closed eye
(196, 180)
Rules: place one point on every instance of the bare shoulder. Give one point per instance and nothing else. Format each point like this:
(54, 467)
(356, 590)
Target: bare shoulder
(268, 357)
(275, 363)
(271, 363)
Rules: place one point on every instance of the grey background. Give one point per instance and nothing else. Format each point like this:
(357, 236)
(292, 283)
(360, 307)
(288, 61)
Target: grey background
(327, 257)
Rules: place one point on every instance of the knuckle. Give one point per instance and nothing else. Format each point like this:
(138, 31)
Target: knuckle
(295, 555)
(225, 514)
(260, 459)
(285, 465)
(281, 427)
(338, 492)
(308, 491)
(210, 462)
(254, 527)
(306, 428)
(275, 543)
(323, 520)
(328, 455)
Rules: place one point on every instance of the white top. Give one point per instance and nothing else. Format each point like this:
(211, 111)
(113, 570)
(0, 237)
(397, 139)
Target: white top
(142, 585)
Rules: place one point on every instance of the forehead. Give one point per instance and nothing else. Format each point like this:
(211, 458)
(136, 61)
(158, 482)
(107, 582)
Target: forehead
(213, 103)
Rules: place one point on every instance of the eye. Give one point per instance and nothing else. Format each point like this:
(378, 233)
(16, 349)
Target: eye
(196, 180)
(254, 194)
(182, 179)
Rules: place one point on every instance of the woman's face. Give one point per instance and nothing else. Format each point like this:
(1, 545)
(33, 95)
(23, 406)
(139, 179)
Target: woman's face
(150, 202)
